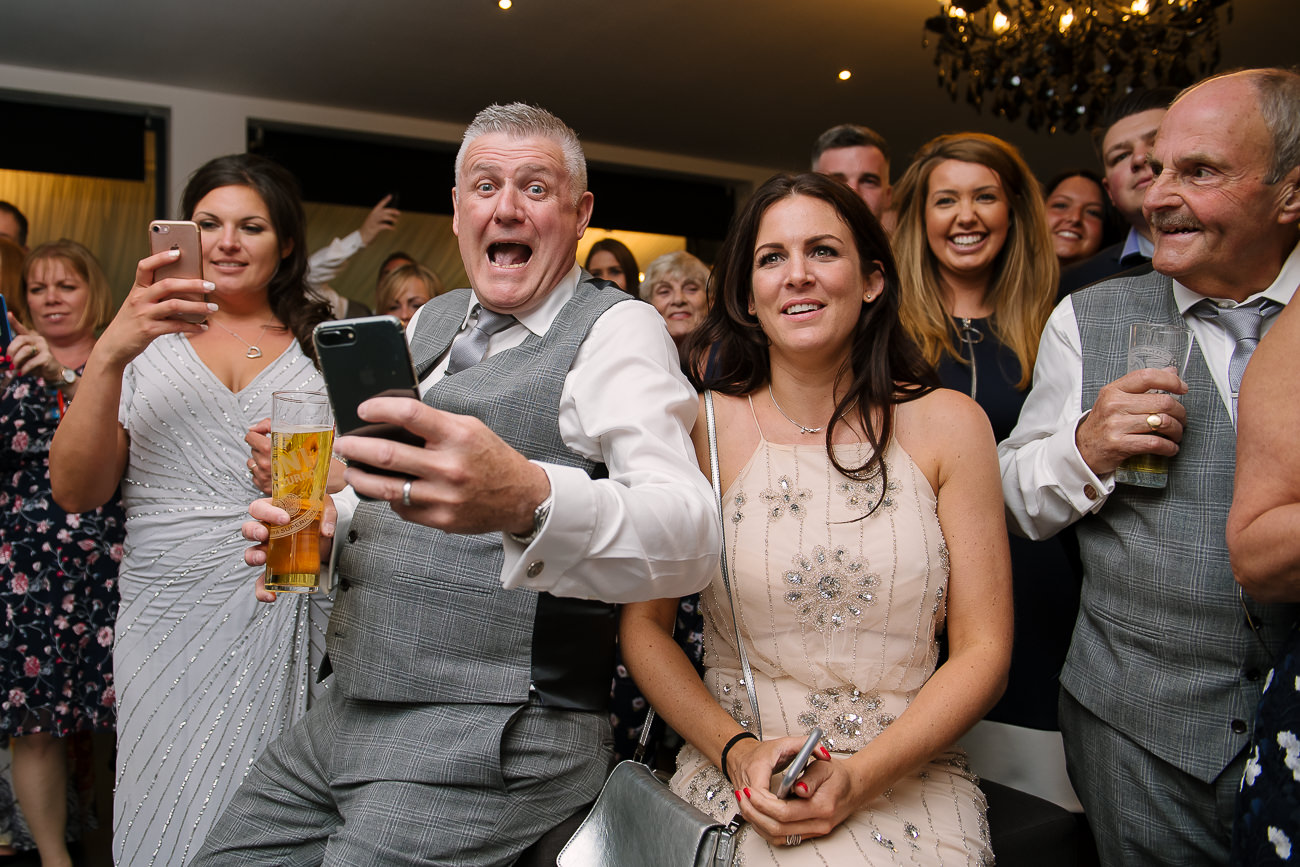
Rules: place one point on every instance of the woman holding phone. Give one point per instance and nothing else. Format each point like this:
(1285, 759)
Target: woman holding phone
(861, 510)
(58, 570)
(206, 677)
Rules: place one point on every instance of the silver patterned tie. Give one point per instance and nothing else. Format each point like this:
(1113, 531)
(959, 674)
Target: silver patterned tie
(1242, 324)
(470, 346)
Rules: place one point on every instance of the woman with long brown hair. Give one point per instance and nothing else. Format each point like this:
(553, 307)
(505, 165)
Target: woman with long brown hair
(206, 676)
(862, 512)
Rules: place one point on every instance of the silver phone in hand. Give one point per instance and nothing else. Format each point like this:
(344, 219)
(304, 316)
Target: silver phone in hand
(796, 767)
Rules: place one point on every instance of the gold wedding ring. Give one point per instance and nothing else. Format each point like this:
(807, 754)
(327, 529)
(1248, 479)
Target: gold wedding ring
(1153, 421)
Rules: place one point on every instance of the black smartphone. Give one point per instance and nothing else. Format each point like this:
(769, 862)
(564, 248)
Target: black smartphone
(365, 358)
(5, 334)
(795, 769)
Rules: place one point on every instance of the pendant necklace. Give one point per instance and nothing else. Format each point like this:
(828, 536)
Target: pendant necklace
(802, 429)
(254, 351)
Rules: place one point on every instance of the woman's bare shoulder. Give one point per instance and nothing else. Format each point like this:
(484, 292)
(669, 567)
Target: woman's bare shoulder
(940, 426)
(943, 411)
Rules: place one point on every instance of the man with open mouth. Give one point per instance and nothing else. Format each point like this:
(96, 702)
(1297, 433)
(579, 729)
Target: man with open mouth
(472, 638)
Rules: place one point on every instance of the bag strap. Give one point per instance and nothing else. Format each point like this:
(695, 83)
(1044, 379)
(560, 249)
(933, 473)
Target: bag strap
(716, 476)
(638, 755)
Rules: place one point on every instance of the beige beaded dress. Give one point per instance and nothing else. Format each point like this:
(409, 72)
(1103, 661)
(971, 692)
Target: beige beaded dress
(838, 617)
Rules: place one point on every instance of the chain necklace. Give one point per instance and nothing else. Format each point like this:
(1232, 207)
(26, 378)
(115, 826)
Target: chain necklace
(254, 351)
(802, 429)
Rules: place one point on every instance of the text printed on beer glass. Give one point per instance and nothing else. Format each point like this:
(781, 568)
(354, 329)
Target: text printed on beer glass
(302, 440)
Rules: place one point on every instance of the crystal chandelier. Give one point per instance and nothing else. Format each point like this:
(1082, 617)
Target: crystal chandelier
(1059, 63)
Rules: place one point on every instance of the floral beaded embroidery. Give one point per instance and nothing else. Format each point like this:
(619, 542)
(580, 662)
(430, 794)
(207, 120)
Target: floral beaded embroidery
(712, 793)
(864, 496)
(850, 717)
(785, 500)
(829, 588)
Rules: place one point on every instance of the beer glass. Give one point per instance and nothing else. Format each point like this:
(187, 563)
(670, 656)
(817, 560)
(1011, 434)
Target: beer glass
(1159, 347)
(302, 440)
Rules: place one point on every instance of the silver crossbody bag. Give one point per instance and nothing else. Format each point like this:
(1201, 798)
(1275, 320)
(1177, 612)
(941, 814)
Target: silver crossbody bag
(637, 821)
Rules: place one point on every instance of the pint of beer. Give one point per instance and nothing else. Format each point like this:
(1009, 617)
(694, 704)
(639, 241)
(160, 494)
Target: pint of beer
(1153, 346)
(302, 440)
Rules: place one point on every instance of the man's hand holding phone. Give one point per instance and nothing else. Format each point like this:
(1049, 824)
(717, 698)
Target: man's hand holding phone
(465, 479)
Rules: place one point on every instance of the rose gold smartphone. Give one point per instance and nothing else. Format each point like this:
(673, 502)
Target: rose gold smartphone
(180, 235)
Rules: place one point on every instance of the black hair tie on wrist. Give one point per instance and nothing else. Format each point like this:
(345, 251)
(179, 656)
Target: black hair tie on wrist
(731, 743)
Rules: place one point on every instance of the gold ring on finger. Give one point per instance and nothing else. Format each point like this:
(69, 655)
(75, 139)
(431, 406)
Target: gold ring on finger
(1154, 421)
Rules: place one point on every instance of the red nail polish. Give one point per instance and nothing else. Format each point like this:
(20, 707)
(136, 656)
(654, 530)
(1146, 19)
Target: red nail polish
(826, 754)
(736, 792)
(801, 786)
(747, 793)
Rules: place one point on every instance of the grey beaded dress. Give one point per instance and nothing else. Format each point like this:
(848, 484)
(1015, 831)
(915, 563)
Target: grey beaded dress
(207, 676)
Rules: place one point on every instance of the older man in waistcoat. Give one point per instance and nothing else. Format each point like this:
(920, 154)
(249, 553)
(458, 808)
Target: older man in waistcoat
(1165, 665)
(471, 660)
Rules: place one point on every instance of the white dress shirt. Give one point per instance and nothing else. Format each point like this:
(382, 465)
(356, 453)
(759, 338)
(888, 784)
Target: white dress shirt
(650, 529)
(326, 263)
(1046, 483)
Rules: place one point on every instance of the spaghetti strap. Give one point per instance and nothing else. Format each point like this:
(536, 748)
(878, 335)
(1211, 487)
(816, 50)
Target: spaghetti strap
(754, 415)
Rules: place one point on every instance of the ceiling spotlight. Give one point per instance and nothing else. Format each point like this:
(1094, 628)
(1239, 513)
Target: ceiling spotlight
(845, 75)
(504, 4)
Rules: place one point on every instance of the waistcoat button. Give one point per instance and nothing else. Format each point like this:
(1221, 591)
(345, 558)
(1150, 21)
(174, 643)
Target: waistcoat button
(352, 535)
(1239, 726)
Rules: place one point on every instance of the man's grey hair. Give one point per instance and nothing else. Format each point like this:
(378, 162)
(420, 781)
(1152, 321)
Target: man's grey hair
(1279, 103)
(1278, 91)
(520, 120)
(848, 135)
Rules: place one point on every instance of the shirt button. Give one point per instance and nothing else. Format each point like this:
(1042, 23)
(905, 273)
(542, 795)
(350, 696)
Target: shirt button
(535, 568)
(1090, 492)
(1239, 726)
(352, 535)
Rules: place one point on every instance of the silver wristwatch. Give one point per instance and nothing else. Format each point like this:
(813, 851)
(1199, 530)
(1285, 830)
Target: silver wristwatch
(540, 514)
(69, 376)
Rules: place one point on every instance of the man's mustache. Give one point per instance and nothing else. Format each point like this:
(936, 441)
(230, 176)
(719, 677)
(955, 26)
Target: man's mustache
(1163, 221)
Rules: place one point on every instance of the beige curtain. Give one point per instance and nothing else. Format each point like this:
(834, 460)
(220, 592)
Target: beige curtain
(426, 237)
(109, 217)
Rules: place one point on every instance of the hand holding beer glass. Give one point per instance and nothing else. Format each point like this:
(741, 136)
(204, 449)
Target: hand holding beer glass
(1159, 347)
(302, 440)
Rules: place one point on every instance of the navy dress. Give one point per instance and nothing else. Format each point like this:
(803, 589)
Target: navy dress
(58, 581)
(1045, 574)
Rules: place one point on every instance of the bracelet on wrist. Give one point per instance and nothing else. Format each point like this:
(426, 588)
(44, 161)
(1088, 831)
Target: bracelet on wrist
(731, 743)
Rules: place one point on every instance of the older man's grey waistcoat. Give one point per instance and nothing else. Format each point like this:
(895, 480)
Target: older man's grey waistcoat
(420, 615)
(1162, 650)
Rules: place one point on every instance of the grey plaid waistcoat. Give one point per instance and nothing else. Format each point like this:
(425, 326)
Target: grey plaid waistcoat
(420, 615)
(1161, 649)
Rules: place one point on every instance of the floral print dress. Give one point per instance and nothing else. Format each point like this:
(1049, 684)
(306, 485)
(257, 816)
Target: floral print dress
(58, 581)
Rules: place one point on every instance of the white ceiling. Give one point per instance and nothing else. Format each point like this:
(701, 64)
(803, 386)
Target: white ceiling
(746, 81)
